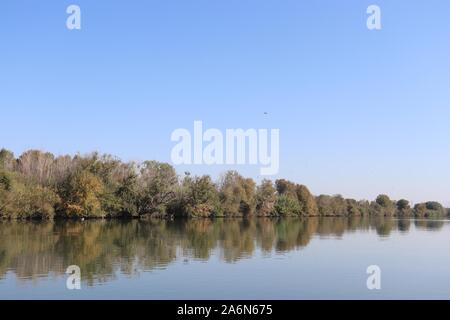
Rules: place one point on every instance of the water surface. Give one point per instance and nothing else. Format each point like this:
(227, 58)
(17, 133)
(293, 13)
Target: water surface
(313, 258)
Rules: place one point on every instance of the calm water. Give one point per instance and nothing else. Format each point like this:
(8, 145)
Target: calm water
(226, 259)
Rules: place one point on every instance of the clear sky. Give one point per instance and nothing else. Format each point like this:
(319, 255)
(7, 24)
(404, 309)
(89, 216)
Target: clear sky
(360, 112)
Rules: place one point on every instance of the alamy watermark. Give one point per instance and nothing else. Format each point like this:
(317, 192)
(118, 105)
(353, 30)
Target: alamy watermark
(73, 21)
(234, 146)
(74, 279)
(374, 20)
(374, 279)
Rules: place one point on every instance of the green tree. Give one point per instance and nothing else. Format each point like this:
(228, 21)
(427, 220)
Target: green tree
(127, 197)
(331, 206)
(6, 195)
(384, 206)
(287, 206)
(201, 197)
(287, 202)
(430, 209)
(36, 202)
(403, 208)
(156, 186)
(7, 160)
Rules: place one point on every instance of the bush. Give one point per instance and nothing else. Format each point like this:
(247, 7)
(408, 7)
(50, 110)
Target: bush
(37, 202)
(383, 206)
(84, 193)
(237, 195)
(201, 198)
(430, 209)
(287, 206)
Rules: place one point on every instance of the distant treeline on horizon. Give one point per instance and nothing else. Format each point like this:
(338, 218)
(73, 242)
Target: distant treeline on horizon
(38, 185)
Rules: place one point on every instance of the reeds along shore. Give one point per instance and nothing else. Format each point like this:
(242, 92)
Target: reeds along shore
(39, 185)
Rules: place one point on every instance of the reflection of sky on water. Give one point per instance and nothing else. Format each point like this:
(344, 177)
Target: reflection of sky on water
(261, 259)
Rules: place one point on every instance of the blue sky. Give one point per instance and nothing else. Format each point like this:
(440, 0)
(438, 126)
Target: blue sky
(360, 112)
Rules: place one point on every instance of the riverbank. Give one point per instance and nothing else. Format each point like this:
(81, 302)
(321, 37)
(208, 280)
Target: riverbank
(39, 185)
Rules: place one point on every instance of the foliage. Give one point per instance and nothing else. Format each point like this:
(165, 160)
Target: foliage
(403, 208)
(384, 206)
(286, 206)
(40, 185)
(430, 209)
(83, 196)
(237, 195)
(266, 197)
(155, 187)
(307, 201)
(201, 198)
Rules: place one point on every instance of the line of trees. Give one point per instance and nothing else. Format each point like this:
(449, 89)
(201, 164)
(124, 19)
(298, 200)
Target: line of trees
(38, 185)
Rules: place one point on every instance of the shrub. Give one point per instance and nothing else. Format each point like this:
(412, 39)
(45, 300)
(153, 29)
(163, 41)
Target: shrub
(287, 206)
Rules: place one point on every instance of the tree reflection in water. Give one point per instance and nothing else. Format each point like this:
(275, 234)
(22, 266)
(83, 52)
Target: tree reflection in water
(104, 247)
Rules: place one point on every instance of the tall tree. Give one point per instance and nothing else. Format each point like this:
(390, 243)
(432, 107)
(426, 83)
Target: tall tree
(266, 196)
(156, 187)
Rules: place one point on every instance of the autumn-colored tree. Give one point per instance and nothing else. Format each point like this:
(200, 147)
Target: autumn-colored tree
(307, 201)
(287, 188)
(266, 196)
(38, 184)
(237, 195)
(83, 196)
(36, 166)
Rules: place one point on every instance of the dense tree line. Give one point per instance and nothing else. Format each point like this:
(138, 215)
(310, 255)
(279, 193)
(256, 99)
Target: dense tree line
(41, 186)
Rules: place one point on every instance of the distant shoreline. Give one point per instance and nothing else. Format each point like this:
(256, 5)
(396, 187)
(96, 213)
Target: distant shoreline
(38, 185)
(167, 218)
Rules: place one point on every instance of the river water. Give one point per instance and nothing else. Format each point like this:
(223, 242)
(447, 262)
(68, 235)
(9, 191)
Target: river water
(314, 258)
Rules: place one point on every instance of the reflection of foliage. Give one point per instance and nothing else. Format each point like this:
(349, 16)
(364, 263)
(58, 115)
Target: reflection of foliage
(102, 248)
(384, 225)
(429, 224)
(404, 224)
